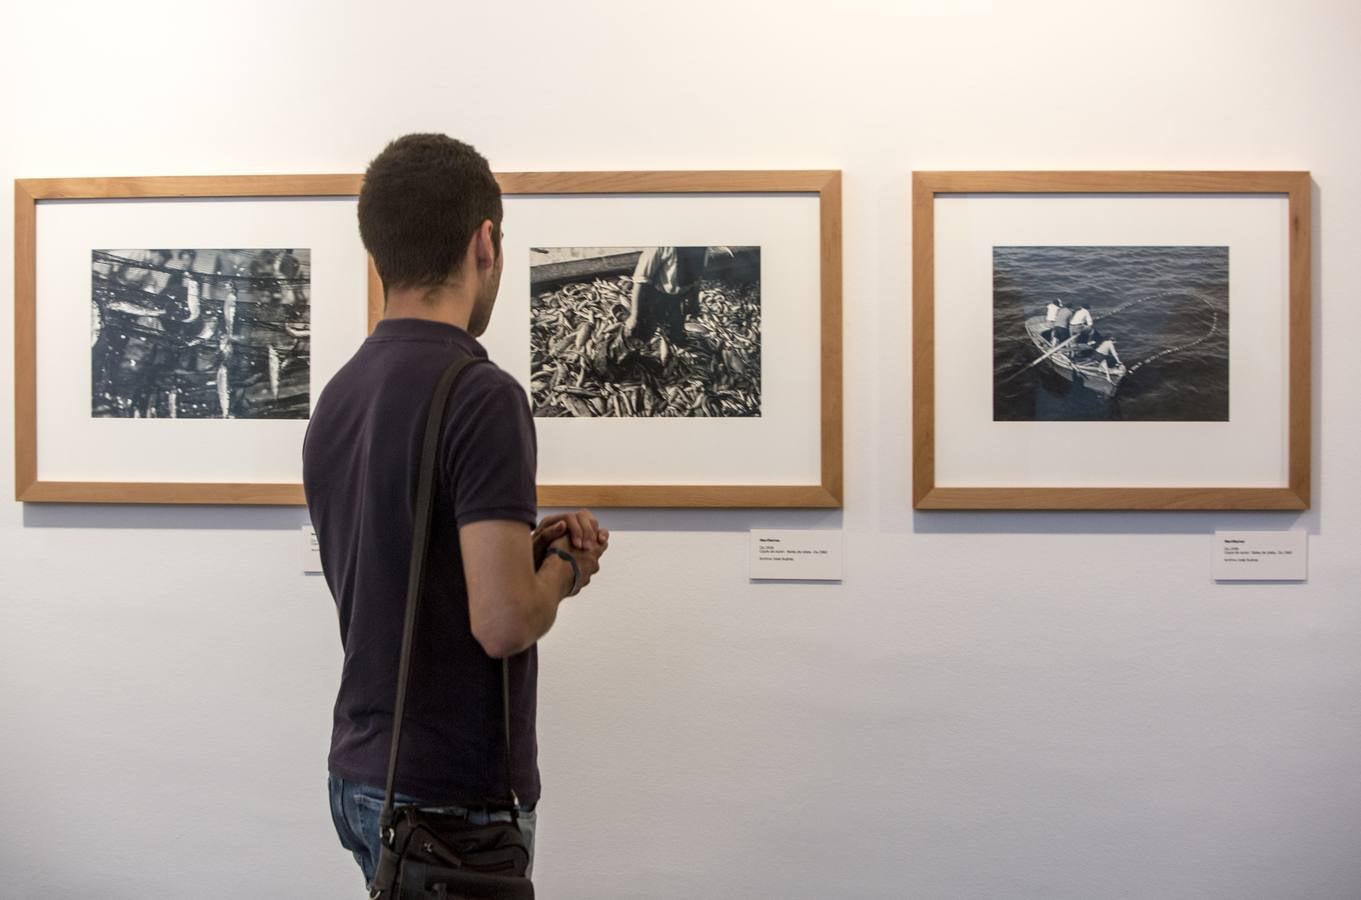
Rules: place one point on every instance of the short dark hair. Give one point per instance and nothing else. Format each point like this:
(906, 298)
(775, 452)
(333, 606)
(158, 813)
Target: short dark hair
(423, 199)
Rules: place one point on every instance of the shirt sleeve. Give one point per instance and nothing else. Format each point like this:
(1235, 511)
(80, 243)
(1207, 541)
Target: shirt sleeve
(647, 266)
(491, 453)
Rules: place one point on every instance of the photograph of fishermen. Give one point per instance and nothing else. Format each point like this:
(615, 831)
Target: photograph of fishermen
(645, 331)
(201, 334)
(1110, 333)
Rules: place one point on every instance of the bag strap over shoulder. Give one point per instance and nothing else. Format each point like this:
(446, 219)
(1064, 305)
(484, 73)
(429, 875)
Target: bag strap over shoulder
(415, 586)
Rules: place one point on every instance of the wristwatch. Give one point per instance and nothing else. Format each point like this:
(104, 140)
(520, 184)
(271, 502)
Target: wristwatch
(576, 569)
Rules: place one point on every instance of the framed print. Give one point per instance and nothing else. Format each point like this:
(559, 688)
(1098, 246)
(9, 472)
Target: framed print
(1111, 340)
(172, 333)
(678, 335)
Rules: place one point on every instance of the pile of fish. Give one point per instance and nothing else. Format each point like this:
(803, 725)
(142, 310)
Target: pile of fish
(584, 365)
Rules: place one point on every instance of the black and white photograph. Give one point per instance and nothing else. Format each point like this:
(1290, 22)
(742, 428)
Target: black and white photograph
(645, 331)
(201, 333)
(1121, 333)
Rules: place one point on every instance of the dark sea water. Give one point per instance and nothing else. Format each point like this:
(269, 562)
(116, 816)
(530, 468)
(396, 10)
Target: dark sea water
(1187, 291)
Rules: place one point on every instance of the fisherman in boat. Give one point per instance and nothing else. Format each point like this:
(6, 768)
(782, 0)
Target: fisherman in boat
(1084, 348)
(1060, 331)
(1081, 324)
(665, 290)
(1105, 351)
(1050, 314)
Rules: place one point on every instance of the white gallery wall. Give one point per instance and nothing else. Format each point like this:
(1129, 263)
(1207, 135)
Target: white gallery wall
(990, 705)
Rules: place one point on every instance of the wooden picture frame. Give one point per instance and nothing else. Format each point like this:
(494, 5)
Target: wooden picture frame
(825, 490)
(30, 485)
(934, 393)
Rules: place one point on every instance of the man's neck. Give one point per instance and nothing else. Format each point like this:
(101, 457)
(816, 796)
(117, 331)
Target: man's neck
(448, 303)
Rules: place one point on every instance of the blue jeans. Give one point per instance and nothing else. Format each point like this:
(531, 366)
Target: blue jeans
(355, 809)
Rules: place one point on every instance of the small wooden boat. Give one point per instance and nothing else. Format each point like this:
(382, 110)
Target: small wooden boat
(1085, 370)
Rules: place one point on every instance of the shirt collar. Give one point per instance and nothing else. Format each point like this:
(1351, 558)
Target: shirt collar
(426, 330)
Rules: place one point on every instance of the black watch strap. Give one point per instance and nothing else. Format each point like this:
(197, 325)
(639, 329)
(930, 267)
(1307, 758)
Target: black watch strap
(576, 568)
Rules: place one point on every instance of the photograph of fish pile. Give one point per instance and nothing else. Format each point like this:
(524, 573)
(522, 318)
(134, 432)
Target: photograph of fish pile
(645, 332)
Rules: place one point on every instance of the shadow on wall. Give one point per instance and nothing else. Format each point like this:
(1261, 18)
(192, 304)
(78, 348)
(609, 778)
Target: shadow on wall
(291, 518)
(237, 518)
(1076, 522)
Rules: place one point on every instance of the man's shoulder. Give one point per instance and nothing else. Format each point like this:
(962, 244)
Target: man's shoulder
(483, 377)
(488, 397)
(490, 447)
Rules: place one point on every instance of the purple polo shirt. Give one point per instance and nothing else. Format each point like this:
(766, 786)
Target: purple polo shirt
(360, 462)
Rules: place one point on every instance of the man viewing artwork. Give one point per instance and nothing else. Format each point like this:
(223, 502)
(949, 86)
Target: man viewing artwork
(430, 216)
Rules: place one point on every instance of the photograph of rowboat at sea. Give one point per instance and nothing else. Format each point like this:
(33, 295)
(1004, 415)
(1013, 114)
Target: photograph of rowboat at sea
(1131, 333)
(645, 331)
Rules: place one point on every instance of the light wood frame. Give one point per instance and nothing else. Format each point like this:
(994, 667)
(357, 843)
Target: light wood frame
(28, 193)
(825, 184)
(927, 186)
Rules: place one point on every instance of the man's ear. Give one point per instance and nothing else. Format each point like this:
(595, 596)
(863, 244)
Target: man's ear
(484, 246)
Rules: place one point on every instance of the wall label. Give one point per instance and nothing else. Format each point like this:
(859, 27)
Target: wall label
(795, 555)
(311, 551)
(1261, 556)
